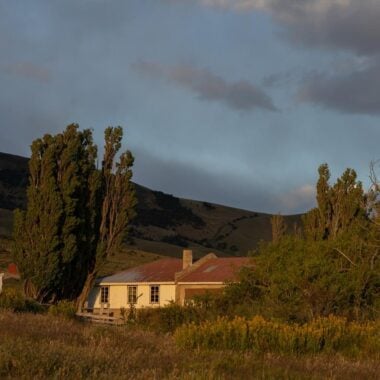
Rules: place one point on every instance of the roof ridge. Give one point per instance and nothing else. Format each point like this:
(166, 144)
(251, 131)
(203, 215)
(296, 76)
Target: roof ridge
(195, 266)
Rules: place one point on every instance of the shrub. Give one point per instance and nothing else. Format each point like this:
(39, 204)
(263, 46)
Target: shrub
(64, 309)
(13, 300)
(330, 335)
(168, 318)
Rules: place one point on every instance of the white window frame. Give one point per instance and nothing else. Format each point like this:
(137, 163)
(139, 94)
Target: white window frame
(132, 298)
(154, 291)
(104, 295)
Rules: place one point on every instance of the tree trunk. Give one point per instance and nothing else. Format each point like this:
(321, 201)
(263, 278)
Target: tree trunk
(90, 280)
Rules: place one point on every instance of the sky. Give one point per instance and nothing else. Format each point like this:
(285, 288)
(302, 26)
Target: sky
(232, 102)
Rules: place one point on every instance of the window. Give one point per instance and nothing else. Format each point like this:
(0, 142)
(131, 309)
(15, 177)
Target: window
(104, 294)
(155, 294)
(132, 294)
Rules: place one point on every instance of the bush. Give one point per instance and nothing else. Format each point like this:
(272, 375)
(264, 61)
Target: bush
(168, 318)
(64, 309)
(14, 300)
(330, 335)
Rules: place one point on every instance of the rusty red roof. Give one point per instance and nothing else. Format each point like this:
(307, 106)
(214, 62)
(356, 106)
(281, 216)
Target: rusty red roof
(217, 270)
(158, 271)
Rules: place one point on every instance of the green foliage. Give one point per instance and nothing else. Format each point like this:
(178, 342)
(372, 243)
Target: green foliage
(64, 309)
(339, 207)
(278, 227)
(296, 279)
(13, 300)
(76, 215)
(169, 317)
(334, 269)
(329, 335)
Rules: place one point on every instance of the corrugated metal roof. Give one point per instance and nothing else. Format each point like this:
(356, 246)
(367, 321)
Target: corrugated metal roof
(158, 271)
(217, 270)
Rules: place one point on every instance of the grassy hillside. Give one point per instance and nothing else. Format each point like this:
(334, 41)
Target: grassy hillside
(165, 224)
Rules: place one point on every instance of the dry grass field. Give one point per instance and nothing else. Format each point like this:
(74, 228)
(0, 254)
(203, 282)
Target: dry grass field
(43, 346)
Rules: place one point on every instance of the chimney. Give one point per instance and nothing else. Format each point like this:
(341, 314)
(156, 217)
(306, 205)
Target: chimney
(187, 258)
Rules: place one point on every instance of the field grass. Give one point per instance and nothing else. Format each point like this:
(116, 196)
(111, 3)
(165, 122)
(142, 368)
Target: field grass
(44, 346)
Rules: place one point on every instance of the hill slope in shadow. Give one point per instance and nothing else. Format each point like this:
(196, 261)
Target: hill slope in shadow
(164, 224)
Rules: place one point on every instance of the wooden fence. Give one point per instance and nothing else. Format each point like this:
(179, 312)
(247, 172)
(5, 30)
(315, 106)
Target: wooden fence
(100, 318)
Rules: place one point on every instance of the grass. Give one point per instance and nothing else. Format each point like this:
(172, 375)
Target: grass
(329, 335)
(46, 346)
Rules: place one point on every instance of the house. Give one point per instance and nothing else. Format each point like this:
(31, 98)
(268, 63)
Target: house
(164, 281)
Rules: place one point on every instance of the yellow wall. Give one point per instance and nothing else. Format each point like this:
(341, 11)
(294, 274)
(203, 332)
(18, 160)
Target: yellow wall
(118, 296)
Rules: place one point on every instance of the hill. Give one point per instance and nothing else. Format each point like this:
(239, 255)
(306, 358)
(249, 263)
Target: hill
(164, 224)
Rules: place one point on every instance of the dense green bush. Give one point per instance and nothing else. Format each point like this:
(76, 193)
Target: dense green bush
(64, 309)
(298, 280)
(14, 300)
(170, 317)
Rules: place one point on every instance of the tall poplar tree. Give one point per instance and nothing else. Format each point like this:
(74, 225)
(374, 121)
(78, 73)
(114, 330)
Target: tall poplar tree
(339, 207)
(278, 227)
(71, 224)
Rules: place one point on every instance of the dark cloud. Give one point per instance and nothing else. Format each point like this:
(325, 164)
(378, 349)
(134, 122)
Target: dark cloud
(280, 79)
(344, 24)
(357, 92)
(336, 25)
(241, 95)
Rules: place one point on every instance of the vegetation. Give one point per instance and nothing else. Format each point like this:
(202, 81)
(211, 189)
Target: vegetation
(45, 346)
(329, 335)
(12, 299)
(309, 305)
(333, 269)
(278, 227)
(76, 214)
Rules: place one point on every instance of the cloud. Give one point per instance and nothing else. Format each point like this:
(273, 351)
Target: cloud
(280, 79)
(241, 95)
(345, 24)
(335, 25)
(301, 198)
(355, 92)
(28, 70)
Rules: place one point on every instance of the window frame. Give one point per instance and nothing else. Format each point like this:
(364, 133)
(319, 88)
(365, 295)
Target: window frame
(104, 295)
(131, 295)
(154, 291)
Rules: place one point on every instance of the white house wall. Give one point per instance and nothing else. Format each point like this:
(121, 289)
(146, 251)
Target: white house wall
(118, 296)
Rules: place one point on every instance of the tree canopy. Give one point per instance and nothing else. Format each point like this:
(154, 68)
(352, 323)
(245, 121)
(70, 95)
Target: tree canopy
(334, 268)
(76, 215)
